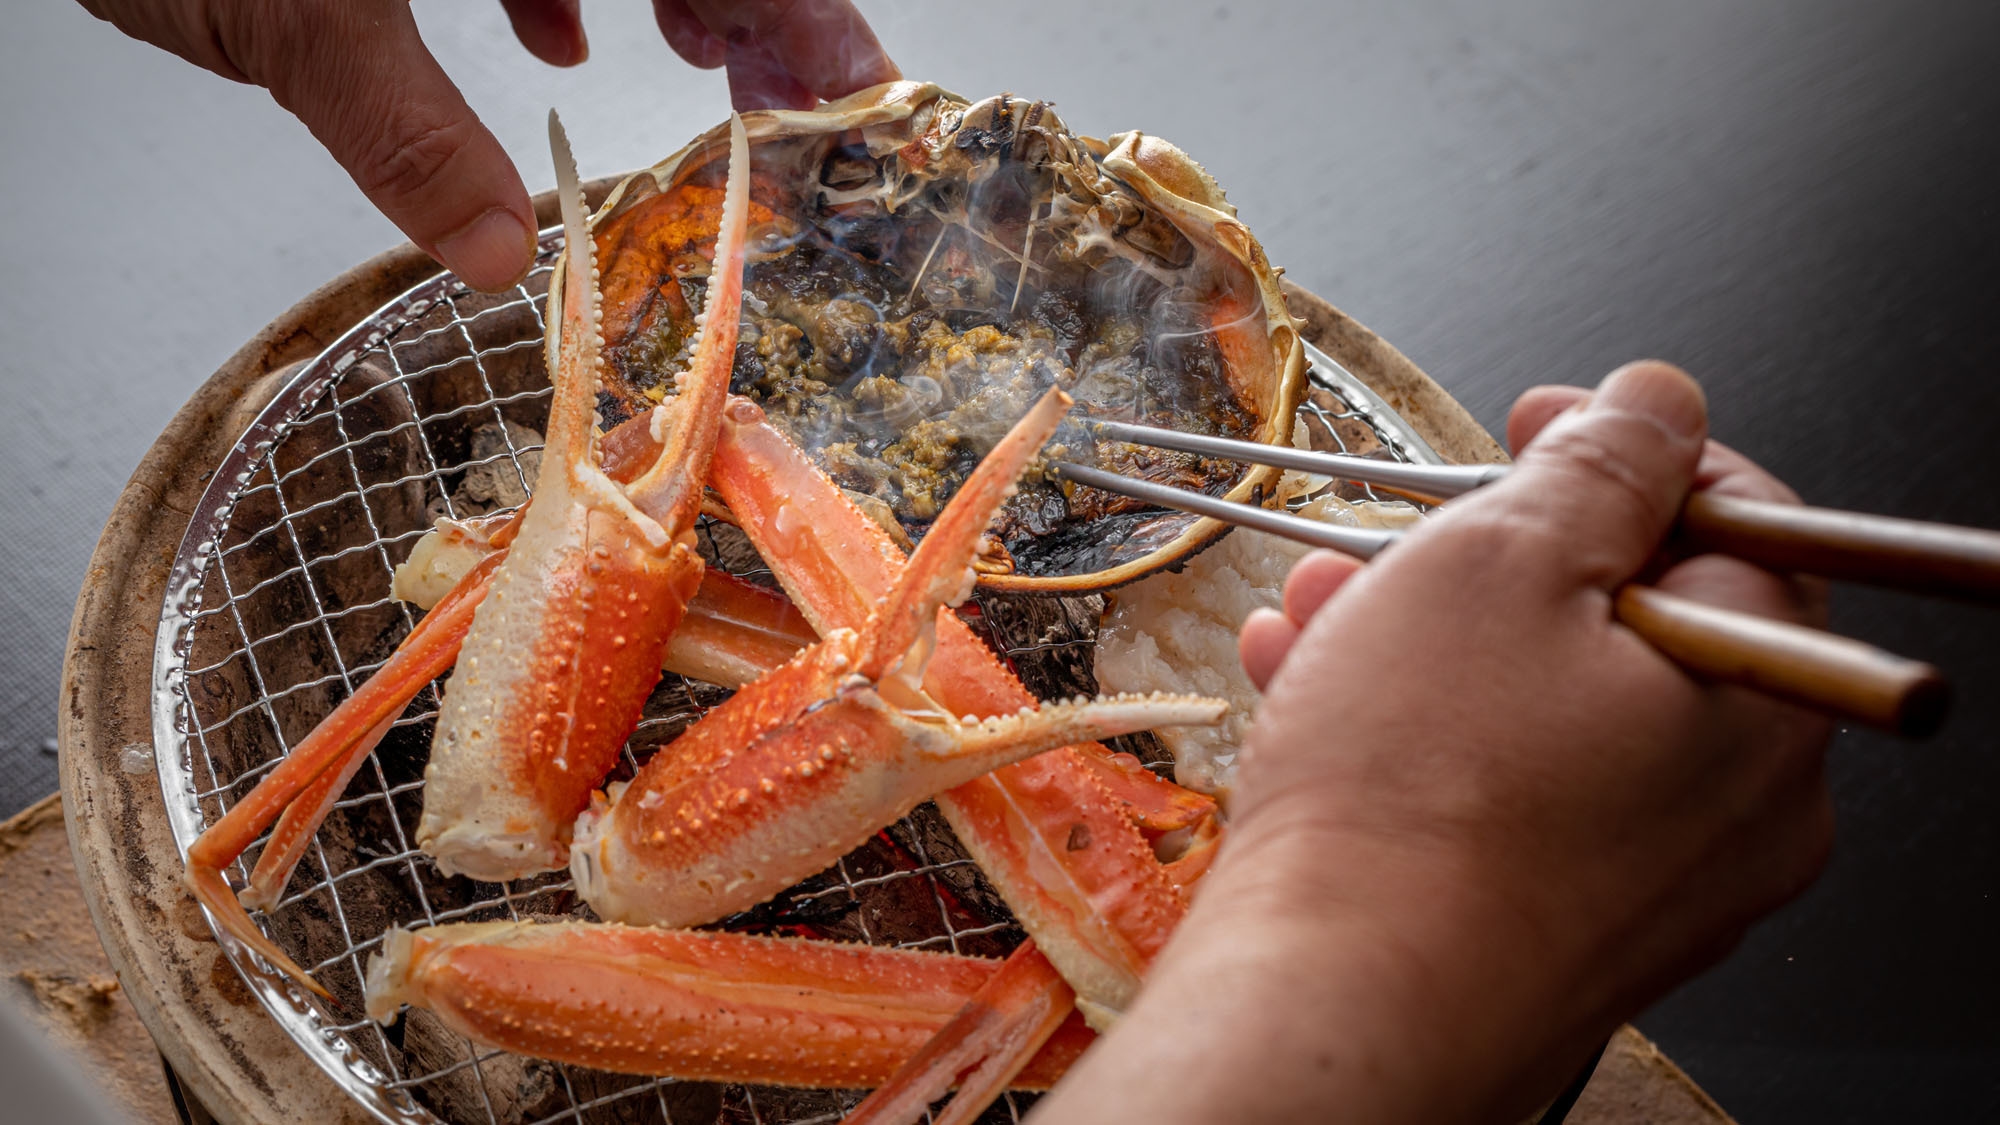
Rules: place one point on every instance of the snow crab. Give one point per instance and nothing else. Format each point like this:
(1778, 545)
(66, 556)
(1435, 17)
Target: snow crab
(926, 268)
(861, 694)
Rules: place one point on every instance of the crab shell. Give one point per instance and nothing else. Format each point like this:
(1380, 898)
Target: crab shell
(1256, 336)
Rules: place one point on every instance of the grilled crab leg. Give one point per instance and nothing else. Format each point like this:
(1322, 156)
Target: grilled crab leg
(1068, 837)
(733, 632)
(708, 1006)
(567, 643)
(333, 747)
(803, 765)
(986, 1047)
(300, 790)
(1060, 847)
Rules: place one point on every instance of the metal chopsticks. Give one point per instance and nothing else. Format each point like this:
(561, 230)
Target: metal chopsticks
(1832, 674)
(1432, 482)
(1361, 542)
(1902, 554)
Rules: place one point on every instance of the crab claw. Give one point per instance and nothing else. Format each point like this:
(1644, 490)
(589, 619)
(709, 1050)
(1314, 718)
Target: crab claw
(568, 644)
(803, 765)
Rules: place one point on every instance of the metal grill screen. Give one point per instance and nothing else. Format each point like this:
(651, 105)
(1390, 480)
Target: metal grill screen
(280, 604)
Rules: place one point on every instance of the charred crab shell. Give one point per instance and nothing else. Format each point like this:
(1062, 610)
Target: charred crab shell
(1258, 336)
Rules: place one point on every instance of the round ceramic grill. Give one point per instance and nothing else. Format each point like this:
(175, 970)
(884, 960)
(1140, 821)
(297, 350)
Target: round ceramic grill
(279, 604)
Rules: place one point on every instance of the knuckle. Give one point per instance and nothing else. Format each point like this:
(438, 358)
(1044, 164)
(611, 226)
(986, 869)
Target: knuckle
(1589, 457)
(408, 158)
(1485, 546)
(1499, 534)
(1726, 472)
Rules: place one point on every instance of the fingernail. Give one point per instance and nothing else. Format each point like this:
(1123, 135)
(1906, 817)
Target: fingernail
(1659, 392)
(491, 253)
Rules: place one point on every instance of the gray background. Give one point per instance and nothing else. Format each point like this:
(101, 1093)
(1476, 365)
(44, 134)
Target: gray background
(1795, 200)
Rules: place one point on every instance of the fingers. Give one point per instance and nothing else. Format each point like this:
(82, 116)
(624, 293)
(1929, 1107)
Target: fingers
(687, 35)
(1599, 486)
(1267, 635)
(1722, 468)
(825, 46)
(1314, 579)
(361, 79)
(758, 80)
(551, 30)
(1729, 473)
(1262, 644)
(1724, 471)
(1535, 409)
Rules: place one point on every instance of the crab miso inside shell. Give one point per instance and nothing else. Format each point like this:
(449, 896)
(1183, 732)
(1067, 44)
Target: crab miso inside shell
(922, 269)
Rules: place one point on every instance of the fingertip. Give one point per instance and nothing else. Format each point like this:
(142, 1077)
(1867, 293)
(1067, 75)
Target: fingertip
(1266, 637)
(688, 36)
(826, 49)
(1726, 472)
(491, 253)
(1658, 392)
(1601, 484)
(1536, 408)
(551, 30)
(1313, 580)
(413, 145)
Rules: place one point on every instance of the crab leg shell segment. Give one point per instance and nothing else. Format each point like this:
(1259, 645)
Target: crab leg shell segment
(805, 764)
(288, 841)
(797, 770)
(333, 747)
(569, 641)
(1048, 832)
(672, 489)
(705, 1006)
(996, 1035)
(940, 572)
(733, 632)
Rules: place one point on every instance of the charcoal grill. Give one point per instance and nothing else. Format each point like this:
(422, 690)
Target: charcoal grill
(276, 602)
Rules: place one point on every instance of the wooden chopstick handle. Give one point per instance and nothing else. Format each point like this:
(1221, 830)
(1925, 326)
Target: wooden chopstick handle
(1835, 675)
(1924, 558)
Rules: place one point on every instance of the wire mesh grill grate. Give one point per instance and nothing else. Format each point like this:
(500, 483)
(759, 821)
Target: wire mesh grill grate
(280, 604)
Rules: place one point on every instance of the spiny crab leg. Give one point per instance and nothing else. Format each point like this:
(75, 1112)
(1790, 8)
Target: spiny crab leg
(707, 1006)
(1001, 1027)
(568, 642)
(734, 632)
(803, 765)
(1058, 836)
(1048, 831)
(423, 656)
(300, 790)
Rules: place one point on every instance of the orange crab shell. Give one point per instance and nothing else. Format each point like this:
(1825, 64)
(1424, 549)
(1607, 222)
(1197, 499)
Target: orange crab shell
(661, 213)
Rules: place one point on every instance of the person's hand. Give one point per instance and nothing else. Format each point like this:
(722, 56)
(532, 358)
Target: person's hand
(1477, 821)
(359, 76)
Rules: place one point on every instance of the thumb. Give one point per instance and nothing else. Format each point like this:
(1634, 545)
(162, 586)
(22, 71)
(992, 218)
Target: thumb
(359, 76)
(1602, 483)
